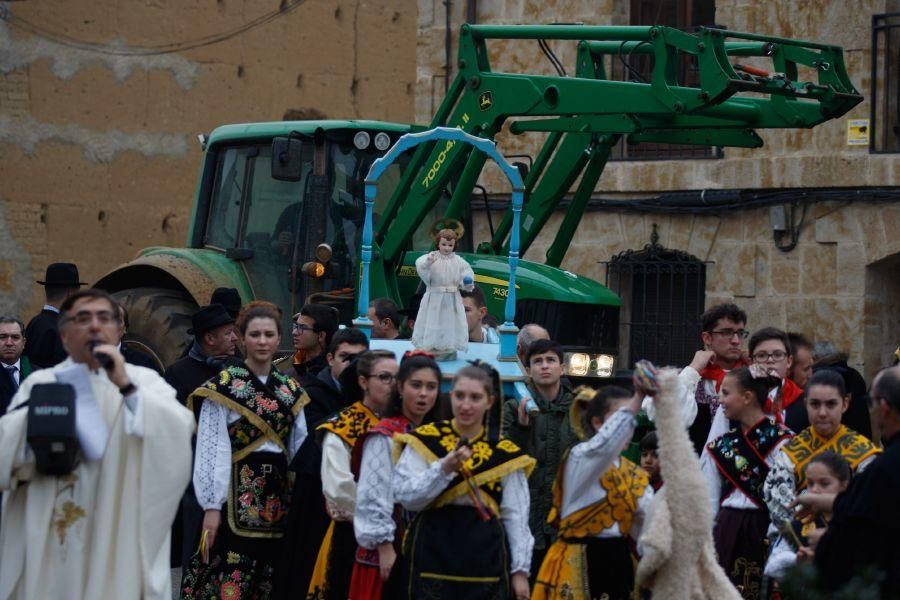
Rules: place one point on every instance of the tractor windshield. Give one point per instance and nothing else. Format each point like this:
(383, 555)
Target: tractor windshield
(279, 224)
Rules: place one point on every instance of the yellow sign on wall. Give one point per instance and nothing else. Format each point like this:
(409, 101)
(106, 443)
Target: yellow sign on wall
(858, 132)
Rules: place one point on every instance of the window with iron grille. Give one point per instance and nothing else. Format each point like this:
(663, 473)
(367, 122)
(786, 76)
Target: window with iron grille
(884, 120)
(681, 14)
(663, 293)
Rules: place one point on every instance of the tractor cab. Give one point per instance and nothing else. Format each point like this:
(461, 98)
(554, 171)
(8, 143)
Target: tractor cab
(289, 209)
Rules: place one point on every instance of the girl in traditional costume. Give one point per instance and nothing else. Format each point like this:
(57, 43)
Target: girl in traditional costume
(470, 538)
(375, 372)
(826, 402)
(600, 499)
(251, 425)
(826, 473)
(441, 325)
(735, 466)
(377, 521)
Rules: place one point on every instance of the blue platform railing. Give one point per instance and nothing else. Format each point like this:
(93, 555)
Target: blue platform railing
(508, 329)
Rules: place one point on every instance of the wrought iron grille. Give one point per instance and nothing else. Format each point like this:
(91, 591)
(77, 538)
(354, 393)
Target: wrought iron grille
(663, 293)
(885, 94)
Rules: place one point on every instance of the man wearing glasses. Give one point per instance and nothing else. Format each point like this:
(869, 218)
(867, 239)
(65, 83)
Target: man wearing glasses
(313, 327)
(101, 531)
(723, 333)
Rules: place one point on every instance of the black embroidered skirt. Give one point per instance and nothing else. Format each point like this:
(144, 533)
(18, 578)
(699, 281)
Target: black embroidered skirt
(451, 553)
(740, 537)
(248, 543)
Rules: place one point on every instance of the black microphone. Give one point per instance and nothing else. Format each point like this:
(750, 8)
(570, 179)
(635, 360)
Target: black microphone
(105, 360)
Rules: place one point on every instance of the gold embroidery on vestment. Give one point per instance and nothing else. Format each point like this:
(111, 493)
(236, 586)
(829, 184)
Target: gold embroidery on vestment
(66, 517)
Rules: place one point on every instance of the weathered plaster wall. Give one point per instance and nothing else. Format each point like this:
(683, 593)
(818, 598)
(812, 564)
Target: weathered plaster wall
(97, 150)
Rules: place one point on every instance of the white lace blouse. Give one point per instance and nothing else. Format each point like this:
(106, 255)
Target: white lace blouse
(417, 484)
(373, 519)
(212, 463)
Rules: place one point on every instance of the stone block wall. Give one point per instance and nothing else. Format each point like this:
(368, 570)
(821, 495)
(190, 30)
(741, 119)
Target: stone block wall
(841, 283)
(98, 156)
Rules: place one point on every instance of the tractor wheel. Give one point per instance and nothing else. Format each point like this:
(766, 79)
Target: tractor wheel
(158, 320)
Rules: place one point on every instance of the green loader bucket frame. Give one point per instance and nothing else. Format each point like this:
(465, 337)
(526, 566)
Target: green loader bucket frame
(587, 114)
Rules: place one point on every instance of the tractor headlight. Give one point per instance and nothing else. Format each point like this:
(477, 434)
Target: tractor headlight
(382, 141)
(603, 365)
(582, 364)
(361, 140)
(577, 363)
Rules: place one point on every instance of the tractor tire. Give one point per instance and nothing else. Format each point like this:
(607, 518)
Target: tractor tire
(159, 319)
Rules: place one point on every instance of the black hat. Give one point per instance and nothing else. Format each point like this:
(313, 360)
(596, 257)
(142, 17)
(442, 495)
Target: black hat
(230, 298)
(62, 275)
(209, 317)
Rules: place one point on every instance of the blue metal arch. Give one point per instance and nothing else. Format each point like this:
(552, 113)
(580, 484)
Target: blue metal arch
(411, 140)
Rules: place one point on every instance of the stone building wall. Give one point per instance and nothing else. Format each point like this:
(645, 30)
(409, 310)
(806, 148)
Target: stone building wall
(841, 281)
(98, 152)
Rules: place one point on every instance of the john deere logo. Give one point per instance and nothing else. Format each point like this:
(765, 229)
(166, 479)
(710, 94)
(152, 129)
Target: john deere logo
(485, 101)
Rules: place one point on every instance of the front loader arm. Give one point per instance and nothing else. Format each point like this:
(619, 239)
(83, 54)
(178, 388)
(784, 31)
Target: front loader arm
(586, 114)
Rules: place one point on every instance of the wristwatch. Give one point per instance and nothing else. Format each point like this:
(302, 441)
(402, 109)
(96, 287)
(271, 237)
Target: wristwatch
(128, 389)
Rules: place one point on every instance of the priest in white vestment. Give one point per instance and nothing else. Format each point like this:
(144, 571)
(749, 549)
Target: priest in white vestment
(102, 531)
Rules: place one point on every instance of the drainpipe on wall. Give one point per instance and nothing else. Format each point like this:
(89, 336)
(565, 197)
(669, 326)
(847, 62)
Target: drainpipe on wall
(448, 4)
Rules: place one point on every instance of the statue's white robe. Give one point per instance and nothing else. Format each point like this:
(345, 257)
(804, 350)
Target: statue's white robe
(104, 530)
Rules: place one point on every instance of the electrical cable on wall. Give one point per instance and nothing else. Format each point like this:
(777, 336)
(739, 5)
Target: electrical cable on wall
(716, 202)
(793, 231)
(286, 7)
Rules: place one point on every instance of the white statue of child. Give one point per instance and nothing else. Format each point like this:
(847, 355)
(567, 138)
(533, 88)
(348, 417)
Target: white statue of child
(441, 323)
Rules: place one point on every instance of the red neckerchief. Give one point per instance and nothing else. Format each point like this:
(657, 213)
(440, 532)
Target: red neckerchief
(789, 394)
(714, 372)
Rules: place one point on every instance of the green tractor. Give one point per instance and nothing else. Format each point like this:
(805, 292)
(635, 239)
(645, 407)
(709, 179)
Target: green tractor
(279, 206)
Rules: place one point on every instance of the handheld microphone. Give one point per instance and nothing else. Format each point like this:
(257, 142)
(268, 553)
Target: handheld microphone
(105, 360)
